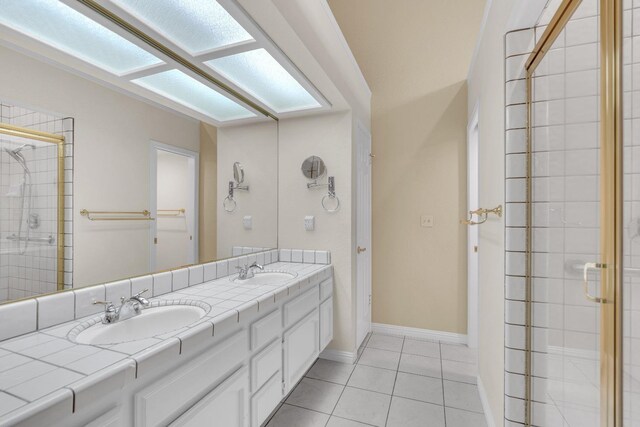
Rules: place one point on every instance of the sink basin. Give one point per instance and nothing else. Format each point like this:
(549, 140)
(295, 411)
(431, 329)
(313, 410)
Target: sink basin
(266, 278)
(153, 321)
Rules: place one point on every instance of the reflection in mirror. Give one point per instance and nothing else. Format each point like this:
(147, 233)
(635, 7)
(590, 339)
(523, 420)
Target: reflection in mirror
(145, 176)
(238, 173)
(313, 167)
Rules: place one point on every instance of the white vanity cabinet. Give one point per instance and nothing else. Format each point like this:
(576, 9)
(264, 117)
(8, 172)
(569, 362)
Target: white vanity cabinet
(226, 405)
(301, 347)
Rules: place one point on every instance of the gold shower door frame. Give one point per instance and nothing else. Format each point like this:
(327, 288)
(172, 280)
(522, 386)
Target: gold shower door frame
(611, 198)
(58, 140)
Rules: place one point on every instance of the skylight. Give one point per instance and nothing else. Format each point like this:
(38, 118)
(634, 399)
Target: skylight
(258, 73)
(195, 25)
(63, 28)
(186, 90)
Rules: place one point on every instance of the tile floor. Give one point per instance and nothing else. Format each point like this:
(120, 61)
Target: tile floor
(396, 382)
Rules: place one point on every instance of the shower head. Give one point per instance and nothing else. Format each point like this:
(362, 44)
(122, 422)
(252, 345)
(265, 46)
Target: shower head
(19, 157)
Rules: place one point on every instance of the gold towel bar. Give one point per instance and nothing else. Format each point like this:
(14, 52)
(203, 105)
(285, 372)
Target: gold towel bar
(117, 215)
(483, 215)
(171, 212)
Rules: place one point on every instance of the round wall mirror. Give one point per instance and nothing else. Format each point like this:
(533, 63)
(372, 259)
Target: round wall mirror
(313, 167)
(238, 173)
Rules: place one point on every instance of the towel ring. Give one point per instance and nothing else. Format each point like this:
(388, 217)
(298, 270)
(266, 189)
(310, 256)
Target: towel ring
(227, 204)
(330, 197)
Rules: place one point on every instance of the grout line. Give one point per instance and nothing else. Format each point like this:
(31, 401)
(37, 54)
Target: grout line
(393, 389)
(444, 403)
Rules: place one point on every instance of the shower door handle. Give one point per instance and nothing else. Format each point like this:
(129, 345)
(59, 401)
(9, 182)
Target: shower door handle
(591, 266)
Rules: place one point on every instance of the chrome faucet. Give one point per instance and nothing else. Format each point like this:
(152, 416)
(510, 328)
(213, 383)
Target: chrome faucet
(247, 272)
(130, 307)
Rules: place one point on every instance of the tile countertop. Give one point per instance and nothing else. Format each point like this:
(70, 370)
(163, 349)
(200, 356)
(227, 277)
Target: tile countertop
(46, 367)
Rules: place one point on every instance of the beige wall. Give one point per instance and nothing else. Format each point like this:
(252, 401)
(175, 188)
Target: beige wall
(208, 189)
(486, 90)
(415, 56)
(255, 146)
(111, 159)
(327, 136)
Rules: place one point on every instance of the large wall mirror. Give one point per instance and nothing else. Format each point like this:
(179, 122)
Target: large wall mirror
(116, 160)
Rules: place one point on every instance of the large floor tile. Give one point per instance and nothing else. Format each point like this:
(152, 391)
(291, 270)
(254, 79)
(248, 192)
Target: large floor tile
(386, 342)
(341, 422)
(421, 348)
(419, 387)
(459, 371)
(364, 406)
(292, 416)
(373, 379)
(410, 413)
(458, 352)
(460, 418)
(379, 358)
(420, 365)
(462, 396)
(317, 395)
(328, 370)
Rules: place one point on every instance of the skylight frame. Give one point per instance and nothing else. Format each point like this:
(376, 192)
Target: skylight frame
(261, 41)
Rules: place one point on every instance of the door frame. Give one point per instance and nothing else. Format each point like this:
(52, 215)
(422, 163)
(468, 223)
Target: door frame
(194, 171)
(473, 202)
(363, 136)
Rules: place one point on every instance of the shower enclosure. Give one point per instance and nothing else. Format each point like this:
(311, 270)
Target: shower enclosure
(573, 219)
(32, 203)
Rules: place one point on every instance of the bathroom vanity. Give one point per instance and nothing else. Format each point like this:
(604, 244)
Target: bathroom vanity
(231, 367)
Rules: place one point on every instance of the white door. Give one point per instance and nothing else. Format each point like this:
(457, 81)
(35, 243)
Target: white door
(174, 207)
(472, 236)
(363, 233)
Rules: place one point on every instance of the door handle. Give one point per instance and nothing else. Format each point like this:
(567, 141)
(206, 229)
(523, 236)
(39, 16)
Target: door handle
(360, 250)
(591, 266)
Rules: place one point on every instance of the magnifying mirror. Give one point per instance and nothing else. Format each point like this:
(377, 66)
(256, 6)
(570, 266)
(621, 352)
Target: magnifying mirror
(313, 167)
(238, 173)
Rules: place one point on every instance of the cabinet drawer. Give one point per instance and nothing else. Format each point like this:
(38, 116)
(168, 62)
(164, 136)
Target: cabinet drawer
(326, 289)
(301, 306)
(266, 400)
(227, 405)
(301, 348)
(265, 364)
(326, 323)
(164, 400)
(265, 329)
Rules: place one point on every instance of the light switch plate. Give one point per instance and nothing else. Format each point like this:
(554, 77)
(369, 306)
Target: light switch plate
(247, 222)
(426, 221)
(309, 222)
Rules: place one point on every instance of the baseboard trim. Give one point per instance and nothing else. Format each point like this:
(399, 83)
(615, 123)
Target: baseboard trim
(338, 356)
(425, 334)
(488, 415)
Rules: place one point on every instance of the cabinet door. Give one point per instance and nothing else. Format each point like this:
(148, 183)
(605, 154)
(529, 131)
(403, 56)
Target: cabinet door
(301, 348)
(266, 400)
(226, 406)
(326, 323)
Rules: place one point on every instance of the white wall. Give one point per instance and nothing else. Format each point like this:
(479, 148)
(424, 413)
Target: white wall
(330, 137)
(255, 146)
(173, 232)
(111, 159)
(486, 90)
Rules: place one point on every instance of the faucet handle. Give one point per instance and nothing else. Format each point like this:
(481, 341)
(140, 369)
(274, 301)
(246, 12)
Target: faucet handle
(107, 303)
(140, 293)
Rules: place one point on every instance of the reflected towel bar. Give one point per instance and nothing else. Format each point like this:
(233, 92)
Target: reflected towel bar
(145, 215)
(171, 212)
(50, 240)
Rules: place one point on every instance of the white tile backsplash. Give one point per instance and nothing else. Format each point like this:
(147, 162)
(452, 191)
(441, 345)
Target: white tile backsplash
(85, 298)
(55, 309)
(18, 318)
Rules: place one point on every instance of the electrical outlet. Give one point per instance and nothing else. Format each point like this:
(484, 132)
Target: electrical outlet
(247, 222)
(309, 222)
(426, 221)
